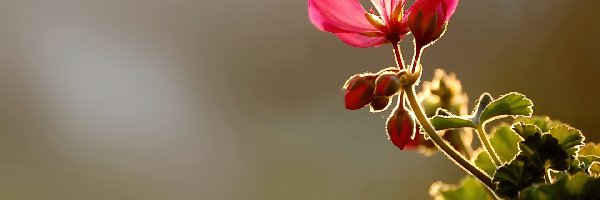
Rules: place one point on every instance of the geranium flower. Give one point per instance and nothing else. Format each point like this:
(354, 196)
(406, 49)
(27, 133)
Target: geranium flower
(351, 23)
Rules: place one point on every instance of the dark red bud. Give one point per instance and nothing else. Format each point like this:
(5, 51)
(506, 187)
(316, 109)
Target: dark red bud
(379, 103)
(359, 91)
(400, 127)
(387, 84)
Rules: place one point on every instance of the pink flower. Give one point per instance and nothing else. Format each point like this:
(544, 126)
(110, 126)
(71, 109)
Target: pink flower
(350, 22)
(427, 19)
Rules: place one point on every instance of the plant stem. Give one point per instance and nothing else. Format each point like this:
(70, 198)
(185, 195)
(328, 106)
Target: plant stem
(483, 137)
(398, 54)
(441, 144)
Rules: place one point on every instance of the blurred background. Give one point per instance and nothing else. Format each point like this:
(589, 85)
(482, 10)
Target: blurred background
(182, 99)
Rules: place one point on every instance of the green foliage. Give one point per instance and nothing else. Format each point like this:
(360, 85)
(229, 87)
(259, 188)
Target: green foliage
(515, 176)
(575, 187)
(512, 104)
(469, 188)
(543, 152)
(570, 139)
(485, 163)
(506, 142)
(450, 122)
(544, 123)
(538, 153)
(525, 130)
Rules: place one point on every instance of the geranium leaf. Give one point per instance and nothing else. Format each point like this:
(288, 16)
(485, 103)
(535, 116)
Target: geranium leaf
(506, 142)
(441, 122)
(575, 187)
(569, 139)
(544, 123)
(469, 188)
(543, 152)
(512, 104)
(485, 163)
(515, 176)
(484, 100)
(525, 130)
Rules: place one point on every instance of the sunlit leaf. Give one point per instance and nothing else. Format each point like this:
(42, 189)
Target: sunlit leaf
(569, 139)
(469, 188)
(485, 163)
(575, 187)
(450, 122)
(512, 104)
(544, 123)
(505, 142)
(525, 130)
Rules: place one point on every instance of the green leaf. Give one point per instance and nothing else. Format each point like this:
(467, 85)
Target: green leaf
(450, 122)
(575, 187)
(569, 139)
(525, 130)
(485, 163)
(512, 104)
(589, 154)
(544, 123)
(544, 152)
(469, 188)
(484, 100)
(515, 176)
(505, 142)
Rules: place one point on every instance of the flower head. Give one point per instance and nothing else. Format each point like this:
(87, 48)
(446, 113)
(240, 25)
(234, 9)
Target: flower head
(351, 23)
(427, 19)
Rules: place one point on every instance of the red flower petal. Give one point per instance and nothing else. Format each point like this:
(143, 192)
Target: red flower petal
(339, 16)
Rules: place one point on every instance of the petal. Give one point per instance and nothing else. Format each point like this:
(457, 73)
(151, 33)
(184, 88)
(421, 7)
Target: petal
(450, 8)
(386, 7)
(339, 16)
(360, 41)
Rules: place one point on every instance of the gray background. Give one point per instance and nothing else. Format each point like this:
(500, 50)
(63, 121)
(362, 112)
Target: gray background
(156, 99)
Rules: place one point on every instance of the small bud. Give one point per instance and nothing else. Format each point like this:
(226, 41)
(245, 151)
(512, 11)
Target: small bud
(387, 84)
(428, 19)
(359, 91)
(400, 127)
(379, 103)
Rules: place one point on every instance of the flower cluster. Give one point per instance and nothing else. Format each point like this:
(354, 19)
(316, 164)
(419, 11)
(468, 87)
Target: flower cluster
(531, 158)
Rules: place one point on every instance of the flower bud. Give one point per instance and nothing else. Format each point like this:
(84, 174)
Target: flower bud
(379, 103)
(400, 127)
(387, 84)
(359, 91)
(428, 18)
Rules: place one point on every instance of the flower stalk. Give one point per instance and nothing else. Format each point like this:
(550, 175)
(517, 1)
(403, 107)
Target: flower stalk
(483, 137)
(441, 144)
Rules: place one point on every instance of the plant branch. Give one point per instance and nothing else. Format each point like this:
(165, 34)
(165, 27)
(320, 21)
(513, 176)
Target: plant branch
(398, 54)
(483, 137)
(441, 144)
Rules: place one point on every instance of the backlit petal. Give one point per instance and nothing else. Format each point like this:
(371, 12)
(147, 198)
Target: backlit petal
(359, 40)
(339, 16)
(386, 7)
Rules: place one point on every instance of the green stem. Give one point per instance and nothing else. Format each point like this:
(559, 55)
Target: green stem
(483, 137)
(441, 144)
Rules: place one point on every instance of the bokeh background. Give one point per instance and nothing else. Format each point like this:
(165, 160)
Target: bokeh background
(182, 99)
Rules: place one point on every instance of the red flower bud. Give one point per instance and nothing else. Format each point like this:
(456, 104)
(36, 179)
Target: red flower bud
(428, 18)
(400, 127)
(359, 91)
(387, 84)
(379, 103)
